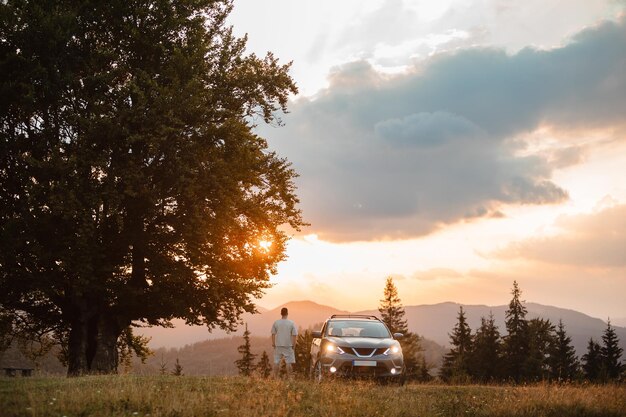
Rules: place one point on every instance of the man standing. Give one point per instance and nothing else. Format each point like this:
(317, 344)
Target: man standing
(284, 334)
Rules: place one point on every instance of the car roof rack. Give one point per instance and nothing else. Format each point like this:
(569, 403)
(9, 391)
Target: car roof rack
(365, 316)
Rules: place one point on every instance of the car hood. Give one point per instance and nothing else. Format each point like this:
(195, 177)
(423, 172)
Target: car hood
(361, 342)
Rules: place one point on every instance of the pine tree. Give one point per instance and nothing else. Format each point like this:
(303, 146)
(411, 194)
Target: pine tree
(391, 310)
(611, 353)
(456, 362)
(423, 370)
(516, 346)
(563, 361)
(178, 369)
(392, 314)
(303, 353)
(246, 363)
(486, 353)
(264, 367)
(540, 337)
(592, 361)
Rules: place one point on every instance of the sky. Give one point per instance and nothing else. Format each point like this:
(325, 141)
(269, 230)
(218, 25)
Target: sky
(455, 145)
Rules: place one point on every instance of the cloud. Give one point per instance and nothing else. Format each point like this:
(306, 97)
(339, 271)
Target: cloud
(389, 157)
(423, 28)
(568, 156)
(373, 27)
(588, 240)
(426, 129)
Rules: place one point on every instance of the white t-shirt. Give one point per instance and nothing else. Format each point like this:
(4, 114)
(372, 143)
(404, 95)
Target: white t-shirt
(284, 329)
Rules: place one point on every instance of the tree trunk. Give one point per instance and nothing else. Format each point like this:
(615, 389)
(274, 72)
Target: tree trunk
(77, 348)
(92, 346)
(105, 359)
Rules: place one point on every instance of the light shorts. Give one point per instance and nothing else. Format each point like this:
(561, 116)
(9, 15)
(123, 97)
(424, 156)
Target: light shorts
(287, 352)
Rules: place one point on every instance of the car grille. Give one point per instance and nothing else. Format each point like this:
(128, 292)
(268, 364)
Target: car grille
(367, 352)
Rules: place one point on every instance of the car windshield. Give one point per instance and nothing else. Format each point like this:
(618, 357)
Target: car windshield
(357, 328)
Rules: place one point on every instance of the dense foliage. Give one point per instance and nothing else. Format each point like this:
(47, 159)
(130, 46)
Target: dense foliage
(603, 363)
(486, 351)
(132, 187)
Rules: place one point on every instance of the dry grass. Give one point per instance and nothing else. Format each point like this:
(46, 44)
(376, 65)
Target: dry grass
(235, 396)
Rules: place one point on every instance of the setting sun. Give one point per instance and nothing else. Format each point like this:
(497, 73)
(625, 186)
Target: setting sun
(265, 245)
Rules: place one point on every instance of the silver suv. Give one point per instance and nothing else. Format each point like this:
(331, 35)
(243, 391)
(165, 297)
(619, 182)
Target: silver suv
(356, 345)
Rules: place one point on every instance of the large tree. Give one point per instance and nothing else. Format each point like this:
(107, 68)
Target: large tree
(392, 313)
(133, 188)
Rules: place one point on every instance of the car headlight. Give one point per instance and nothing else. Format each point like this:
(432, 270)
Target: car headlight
(392, 349)
(333, 348)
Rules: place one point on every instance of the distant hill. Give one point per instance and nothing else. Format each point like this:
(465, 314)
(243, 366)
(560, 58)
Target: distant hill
(433, 322)
(210, 357)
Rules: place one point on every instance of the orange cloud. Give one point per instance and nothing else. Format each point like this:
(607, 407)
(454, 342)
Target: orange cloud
(589, 240)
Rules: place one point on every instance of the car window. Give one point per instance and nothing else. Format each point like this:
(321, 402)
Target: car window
(354, 328)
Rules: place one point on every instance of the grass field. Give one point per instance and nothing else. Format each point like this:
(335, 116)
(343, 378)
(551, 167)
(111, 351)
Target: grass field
(236, 396)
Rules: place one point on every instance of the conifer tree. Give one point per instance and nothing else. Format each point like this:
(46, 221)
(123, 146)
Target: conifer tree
(563, 361)
(486, 352)
(540, 338)
(264, 367)
(611, 353)
(246, 363)
(392, 314)
(515, 342)
(592, 361)
(178, 369)
(303, 352)
(423, 370)
(456, 362)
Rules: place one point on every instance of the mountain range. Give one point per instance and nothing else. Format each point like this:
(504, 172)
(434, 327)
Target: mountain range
(433, 321)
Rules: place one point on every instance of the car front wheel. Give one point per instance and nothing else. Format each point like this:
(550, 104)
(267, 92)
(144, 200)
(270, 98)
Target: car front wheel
(318, 372)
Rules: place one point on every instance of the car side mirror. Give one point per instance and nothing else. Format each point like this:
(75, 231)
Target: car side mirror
(316, 334)
(398, 335)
